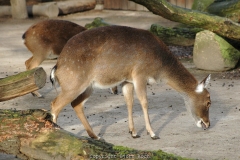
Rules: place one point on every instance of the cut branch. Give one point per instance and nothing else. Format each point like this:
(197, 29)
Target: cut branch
(22, 83)
(222, 26)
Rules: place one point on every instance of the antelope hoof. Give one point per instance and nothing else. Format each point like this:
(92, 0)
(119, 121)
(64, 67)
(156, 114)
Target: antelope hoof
(134, 136)
(155, 137)
(37, 95)
(98, 138)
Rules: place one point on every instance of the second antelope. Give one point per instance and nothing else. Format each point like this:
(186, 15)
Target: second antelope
(46, 39)
(108, 56)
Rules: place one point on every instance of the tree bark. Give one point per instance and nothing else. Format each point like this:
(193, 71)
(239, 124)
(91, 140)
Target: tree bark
(22, 83)
(222, 26)
(30, 134)
(229, 9)
(201, 5)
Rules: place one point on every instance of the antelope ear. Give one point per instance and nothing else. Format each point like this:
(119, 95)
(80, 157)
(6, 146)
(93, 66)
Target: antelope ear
(203, 84)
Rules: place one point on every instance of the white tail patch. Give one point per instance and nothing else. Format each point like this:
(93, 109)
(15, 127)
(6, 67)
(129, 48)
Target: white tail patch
(203, 84)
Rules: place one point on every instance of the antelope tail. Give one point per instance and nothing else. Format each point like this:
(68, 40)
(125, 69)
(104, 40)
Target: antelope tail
(53, 77)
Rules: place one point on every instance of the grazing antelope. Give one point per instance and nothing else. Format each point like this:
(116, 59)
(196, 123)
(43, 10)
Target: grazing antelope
(46, 39)
(107, 56)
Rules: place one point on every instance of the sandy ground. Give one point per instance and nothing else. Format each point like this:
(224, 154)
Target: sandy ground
(107, 113)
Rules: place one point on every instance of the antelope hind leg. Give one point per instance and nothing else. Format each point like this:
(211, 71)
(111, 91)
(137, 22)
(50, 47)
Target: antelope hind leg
(77, 105)
(128, 95)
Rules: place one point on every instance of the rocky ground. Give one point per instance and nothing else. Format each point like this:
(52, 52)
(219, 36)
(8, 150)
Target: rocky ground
(107, 113)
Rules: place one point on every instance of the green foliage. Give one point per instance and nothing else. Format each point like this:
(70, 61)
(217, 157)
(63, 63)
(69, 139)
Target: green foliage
(97, 22)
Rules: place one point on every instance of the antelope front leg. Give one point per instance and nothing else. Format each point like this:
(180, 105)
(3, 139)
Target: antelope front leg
(77, 105)
(140, 88)
(128, 95)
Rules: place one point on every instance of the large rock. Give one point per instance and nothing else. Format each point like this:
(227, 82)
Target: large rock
(212, 52)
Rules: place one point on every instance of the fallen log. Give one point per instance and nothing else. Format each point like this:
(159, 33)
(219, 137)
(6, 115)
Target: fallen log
(49, 9)
(229, 9)
(181, 36)
(53, 9)
(220, 25)
(5, 11)
(67, 7)
(22, 83)
(30, 134)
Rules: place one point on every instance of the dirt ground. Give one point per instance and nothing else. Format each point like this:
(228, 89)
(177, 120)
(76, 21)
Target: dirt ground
(107, 113)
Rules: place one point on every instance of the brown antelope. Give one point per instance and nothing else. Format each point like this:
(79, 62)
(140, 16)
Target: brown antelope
(107, 56)
(46, 39)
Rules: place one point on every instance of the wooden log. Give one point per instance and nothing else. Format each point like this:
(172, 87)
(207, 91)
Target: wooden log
(30, 134)
(201, 5)
(49, 9)
(22, 83)
(67, 7)
(220, 25)
(5, 11)
(229, 9)
(19, 9)
(180, 36)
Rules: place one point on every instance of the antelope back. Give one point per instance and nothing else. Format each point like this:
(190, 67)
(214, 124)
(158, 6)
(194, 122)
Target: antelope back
(115, 53)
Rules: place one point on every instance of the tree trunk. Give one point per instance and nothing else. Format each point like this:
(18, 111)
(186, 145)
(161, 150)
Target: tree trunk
(22, 83)
(30, 134)
(229, 9)
(222, 26)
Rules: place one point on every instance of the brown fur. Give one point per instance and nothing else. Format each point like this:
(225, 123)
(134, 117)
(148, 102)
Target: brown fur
(107, 56)
(47, 38)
